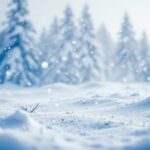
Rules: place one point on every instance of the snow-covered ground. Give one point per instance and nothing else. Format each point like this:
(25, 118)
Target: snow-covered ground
(106, 116)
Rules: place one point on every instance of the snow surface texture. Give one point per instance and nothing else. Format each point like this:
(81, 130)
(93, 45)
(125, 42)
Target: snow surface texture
(88, 117)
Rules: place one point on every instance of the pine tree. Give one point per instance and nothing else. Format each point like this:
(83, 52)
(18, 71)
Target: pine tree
(48, 46)
(66, 61)
(55, 39)
(107, 46)
(43, 50)
(126, 62)
(18, 64)
(89, 55)
(143, 58)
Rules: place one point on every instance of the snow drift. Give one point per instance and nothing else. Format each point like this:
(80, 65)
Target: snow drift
(106, 117)
(20, 132)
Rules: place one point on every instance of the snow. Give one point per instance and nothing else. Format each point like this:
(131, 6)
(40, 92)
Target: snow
(44, 65)
(91, 116)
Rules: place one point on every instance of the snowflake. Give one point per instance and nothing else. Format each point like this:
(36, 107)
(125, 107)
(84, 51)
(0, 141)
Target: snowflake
(74, 42)
(44, 64)
(49, 90)
(8, 74)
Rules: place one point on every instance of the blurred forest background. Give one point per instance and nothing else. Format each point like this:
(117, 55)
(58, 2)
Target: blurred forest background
(70, 50)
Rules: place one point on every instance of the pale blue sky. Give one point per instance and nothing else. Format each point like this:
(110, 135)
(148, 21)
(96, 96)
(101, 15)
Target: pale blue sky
(108, 11)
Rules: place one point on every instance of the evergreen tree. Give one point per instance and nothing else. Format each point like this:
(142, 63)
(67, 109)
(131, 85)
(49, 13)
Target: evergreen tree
(55, 40)
(48, 46)
(66, 61)
(89, 56)
(126, 62)
(107, 46)
(143, 58)
(18, 64)
(43, 50)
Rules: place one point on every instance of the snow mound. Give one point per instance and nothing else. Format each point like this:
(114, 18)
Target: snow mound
(143, 105)
(18, 120)
(141, 145)
(20, 132)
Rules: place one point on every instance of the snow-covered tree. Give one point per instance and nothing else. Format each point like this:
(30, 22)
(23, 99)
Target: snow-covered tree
(90, 60)
(126, 63)
(17, 62)
(43, 50)
(107, 46)
(143, 58)
(66, 62)
(48, 46)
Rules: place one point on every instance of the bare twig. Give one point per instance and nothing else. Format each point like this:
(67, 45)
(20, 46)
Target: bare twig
(31, 108)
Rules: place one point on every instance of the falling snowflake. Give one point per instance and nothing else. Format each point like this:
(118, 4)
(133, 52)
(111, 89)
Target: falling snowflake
(49, 90)
(45, 65)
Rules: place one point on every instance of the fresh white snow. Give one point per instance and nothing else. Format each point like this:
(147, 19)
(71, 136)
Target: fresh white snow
(106, 116)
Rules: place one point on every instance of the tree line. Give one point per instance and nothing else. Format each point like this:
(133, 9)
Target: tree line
(69, 51)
